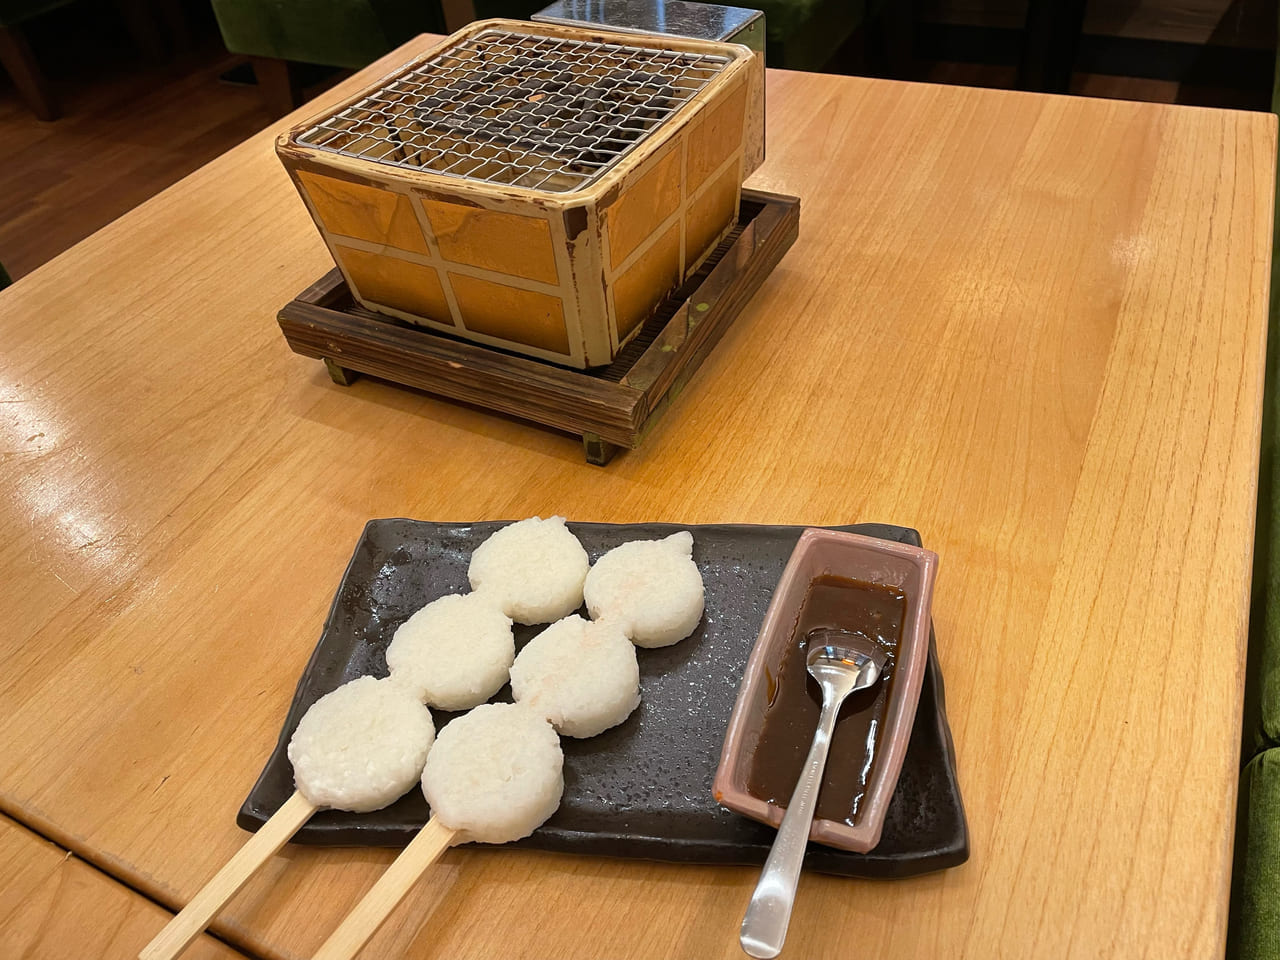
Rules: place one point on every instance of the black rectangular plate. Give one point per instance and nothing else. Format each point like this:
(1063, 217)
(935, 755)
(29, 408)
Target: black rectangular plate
(642, 789)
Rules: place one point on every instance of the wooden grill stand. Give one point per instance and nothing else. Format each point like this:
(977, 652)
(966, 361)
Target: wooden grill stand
(610, 407)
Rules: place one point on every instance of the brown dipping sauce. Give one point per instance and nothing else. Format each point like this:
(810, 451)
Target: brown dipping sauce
(795, 700)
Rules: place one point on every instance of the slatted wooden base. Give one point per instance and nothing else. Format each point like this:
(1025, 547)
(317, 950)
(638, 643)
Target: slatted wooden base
(609, 407)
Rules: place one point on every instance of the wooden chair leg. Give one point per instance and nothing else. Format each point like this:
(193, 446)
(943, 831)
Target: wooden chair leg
(457, 13)
(1050, 41)
(278, 84)
(897, 26)
(175, 22)
(140, 20)
(21, 65)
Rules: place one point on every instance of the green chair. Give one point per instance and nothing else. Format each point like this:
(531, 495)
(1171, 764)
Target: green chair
(1262, 677)
(1254, 922)
(1254, 932)
(334, 33)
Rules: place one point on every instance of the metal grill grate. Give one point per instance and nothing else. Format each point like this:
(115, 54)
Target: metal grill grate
(519, 109)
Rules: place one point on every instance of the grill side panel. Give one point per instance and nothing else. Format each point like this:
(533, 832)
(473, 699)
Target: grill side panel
(565, 275)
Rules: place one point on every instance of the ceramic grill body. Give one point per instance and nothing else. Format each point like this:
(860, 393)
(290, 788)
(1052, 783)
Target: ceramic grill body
(530, 186)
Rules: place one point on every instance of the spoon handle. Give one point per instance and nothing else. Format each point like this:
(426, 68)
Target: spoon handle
(764, 927)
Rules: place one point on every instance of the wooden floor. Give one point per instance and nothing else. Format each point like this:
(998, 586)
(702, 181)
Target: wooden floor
(131, 128)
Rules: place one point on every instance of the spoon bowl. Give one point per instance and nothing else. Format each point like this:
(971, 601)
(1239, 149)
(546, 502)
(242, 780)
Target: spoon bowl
(834, 653)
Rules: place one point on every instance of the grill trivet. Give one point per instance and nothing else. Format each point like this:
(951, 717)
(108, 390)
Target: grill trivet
(547, 113)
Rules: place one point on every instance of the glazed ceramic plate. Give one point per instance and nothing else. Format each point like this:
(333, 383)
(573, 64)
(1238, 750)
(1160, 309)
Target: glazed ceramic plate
(642, 789)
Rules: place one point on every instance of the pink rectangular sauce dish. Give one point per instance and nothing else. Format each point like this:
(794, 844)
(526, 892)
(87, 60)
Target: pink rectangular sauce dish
(879, 589)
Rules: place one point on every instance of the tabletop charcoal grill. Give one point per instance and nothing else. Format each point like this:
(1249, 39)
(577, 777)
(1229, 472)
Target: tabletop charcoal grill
(534, 187)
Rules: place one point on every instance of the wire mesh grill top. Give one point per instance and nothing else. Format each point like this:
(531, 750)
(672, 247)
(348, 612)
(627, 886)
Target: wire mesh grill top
(516, 109)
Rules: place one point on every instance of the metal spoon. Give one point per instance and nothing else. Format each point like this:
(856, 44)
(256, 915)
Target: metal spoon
(840, 670)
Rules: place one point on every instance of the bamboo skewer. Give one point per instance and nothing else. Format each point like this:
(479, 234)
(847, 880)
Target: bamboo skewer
(191, 921)
(367, 915)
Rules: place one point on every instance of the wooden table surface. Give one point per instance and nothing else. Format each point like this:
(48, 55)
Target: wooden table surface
(1030, 327)
(53, 905)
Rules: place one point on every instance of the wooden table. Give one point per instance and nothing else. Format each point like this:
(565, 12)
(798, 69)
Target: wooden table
(1031, 327)
(54, 905)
